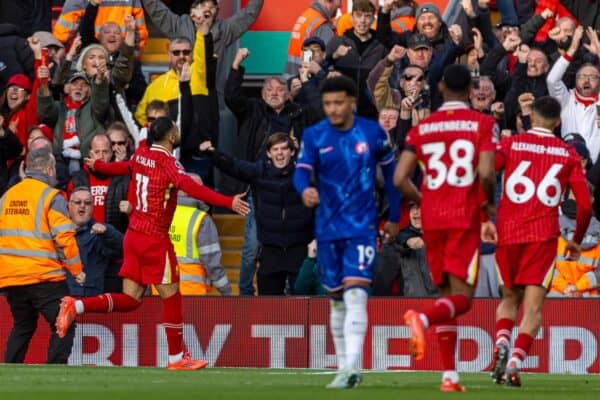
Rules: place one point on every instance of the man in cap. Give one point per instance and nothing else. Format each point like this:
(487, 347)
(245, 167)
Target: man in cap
(77, 118)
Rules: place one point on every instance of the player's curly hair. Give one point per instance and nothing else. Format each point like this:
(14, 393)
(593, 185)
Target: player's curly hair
(339, 84)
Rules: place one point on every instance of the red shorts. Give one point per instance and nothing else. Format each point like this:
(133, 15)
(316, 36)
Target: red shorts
(148, 260)
(524, 264)
(454, 252)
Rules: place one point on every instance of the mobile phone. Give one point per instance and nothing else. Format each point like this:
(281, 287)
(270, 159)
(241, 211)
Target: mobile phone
(307, 56)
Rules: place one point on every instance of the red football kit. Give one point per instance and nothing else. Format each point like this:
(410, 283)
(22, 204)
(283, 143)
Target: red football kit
(447, 145)
(538, 167)
(156, 176)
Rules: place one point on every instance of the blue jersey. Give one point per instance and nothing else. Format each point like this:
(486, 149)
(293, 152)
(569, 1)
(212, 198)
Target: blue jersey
(344, 165)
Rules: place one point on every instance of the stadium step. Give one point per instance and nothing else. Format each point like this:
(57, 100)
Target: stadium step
(231, 237)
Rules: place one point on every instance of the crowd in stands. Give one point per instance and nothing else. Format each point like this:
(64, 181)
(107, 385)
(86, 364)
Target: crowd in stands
(77, 86)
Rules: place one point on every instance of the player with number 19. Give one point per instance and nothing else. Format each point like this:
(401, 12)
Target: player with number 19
(538, 167)
(455, 147)
(343, 152)
(149, 258)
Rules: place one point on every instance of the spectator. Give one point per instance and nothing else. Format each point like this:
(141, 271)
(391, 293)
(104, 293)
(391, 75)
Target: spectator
(530, 77)
(308, 282)
(579, 113)
(166, 86)
(38, 136)
(10, 149)
(74, 13)
(154, 110)
(35, 285)
(224, 32)
(77, 118)
(356, 53)
(16, 56)
(315, 21)
(304, 87)
(257, 120)
(120, 52)
(108, 192)
(99, 244)
(196, 243)
(482, 96)
(412, 268)
(388, 120)
(284, 224)
(119, 141)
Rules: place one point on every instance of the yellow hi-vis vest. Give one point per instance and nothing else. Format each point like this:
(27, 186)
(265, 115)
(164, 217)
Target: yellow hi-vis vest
(31, 236)
(183, 233)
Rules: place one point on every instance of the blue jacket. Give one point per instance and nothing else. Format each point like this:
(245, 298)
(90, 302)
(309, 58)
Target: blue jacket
(96, 252)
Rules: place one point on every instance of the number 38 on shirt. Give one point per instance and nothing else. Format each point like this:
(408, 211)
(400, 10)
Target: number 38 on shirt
(460, 171)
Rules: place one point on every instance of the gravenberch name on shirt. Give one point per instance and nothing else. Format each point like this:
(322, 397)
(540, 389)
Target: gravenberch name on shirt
(540, 149)
(445, 126)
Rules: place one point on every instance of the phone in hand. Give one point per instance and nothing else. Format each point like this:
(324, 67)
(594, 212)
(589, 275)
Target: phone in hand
(44, 62)
(307, 56)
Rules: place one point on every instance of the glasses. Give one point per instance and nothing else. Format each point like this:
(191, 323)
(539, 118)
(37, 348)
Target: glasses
(178, 53)
(411, 77)
(591, 77)
(16, 89)
(119, 143)
(86, 203)
(150, 119)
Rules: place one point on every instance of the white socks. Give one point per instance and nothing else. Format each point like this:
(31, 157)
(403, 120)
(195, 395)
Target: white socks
(452, 375)
(79, 307)
(355, 325)
(337, 314)
(175, 358)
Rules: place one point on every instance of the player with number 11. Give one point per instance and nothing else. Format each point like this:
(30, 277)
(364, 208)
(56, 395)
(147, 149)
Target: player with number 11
(149, 258)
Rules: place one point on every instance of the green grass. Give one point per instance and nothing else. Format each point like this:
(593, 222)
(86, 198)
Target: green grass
(89, 383)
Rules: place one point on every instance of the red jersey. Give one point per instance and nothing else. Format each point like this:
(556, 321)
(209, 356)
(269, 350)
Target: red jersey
(99, 189)
(537, 169)
(447, 145)
(156, 175)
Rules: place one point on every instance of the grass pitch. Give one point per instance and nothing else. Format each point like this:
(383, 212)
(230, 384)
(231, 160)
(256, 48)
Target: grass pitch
(25, 382)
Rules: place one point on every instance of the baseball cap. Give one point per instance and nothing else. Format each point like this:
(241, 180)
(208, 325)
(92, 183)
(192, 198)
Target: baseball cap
(418, 41)
(314, 40)
(79, 75)
(19, 80)
(47, 39)
(428, 8)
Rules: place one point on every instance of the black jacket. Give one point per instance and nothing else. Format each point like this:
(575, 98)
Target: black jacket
(255, 121)
(10, 149)
(281, 218)
(15, 55)
(117, 191)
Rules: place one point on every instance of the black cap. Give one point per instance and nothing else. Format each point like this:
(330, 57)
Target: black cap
(314, 40)
(418, 41)
(457, 77)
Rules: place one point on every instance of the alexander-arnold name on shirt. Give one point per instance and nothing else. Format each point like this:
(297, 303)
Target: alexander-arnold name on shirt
(540, 149)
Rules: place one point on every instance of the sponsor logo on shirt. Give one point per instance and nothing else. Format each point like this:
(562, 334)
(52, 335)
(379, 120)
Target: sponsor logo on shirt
(361, 148)
(326, 150)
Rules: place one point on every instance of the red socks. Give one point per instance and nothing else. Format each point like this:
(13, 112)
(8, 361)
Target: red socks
(173, 323)
(503, 329)
(110, 302)
(447, 308)
(522, 346)
(447, 337)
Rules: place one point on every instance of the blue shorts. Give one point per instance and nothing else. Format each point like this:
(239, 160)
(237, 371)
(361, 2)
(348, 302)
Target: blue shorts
(343, 259)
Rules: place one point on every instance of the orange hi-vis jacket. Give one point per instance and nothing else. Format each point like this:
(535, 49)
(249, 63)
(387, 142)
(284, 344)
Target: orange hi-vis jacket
(37, 238)
(115, 11)
(581, 273)
(305, 27)
(402, 23)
